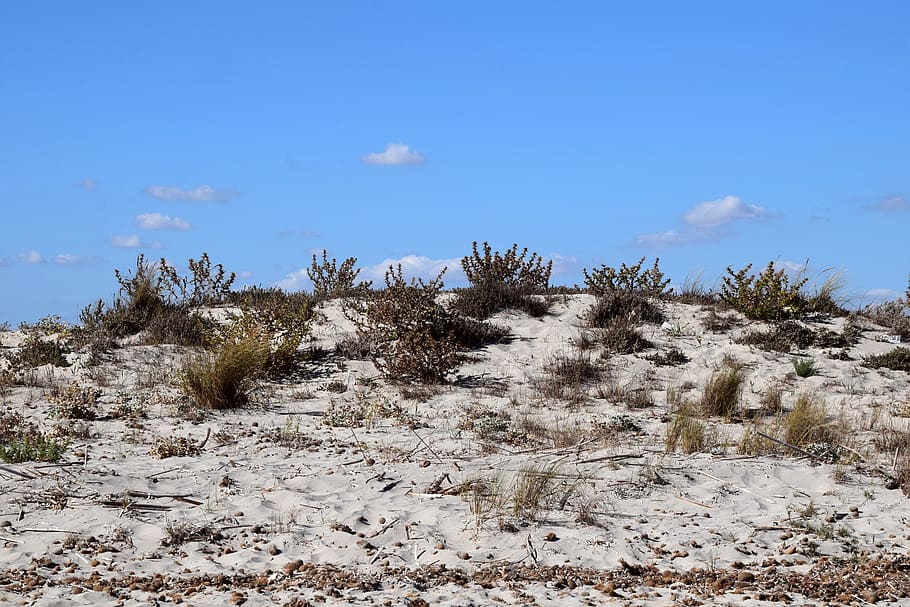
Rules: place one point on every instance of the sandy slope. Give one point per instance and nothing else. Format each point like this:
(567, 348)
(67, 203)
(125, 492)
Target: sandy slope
(375, 502)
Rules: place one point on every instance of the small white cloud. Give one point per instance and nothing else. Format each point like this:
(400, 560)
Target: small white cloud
(157, 221)
(395, 153)
(133, 242)
(203, 193)
(715, 213)
(245, 275)
(877, 296)
(30, 257)
(87, 184)
(563, 265)
(662, 239)
(298, 280)
(891, 203)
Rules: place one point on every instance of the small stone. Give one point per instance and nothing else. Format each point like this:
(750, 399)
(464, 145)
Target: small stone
(382, 520)
(369, 461)
(745, 576)
(238, 598)
(292, 566)
(440, 546)
(550, 537)
(463, 555)
(425, 463)
(274, 550)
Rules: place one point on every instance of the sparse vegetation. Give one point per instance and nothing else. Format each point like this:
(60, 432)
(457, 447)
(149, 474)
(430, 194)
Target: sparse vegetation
(539, 488)
(897, 359)
(668, 358)
(768, 296)
(808, 423)
(567, 376)
(622, 337)
(507, 281)
(37, 351)
(686, 432)
(76, 402)
(225, 377)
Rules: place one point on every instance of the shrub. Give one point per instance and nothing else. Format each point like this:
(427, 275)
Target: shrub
(409, 333)
(891, 315)
(224, 378)
(621, 336)
(897, 359)
(782, 337)
(330, 281)
(76, 402)
(768, 296)
(629, 279)
(472, 334)
(506, 281)
(202, 288)
(37, 351)
(722, 392)
(567, 376)
(624, 305)
(670, 358)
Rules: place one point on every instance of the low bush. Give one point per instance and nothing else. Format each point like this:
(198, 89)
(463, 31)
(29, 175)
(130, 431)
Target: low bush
(31, 446)
(622, 337)
(897, 359)
(36, 351)
(628, 279)
(768, 296)
(503, 281)
(409, 333)
(567, 376)
(76, 402)
(331, 281)
(632, 307)
(807, 423)
(204, 287)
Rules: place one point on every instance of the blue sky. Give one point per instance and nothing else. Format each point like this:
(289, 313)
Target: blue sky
(710, 134)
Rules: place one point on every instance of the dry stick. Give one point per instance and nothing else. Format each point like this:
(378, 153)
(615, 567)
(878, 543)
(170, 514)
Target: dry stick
(621, 456)
(24, 475)
(9, 539)
(163, 472)
(385, 528)
(430, 449)
(50, 531)
(691, 501)
(786, 444)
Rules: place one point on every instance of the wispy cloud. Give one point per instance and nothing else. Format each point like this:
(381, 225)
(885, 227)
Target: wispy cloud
(86, 184)
(891, 203)
(203, 193)
(133, 241)
(705, 221)
(877, 296)
(395, 153)
(298, 233)
(157, 221)
(68, 259)
(30, 257)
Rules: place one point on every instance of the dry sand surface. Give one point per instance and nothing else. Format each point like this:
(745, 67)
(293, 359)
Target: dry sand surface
(339, 488)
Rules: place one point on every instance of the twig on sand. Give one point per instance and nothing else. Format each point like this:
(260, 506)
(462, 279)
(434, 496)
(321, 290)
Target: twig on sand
(712, 477)
(430, 449)
(691, 501)
(786, 444)
(385, 528)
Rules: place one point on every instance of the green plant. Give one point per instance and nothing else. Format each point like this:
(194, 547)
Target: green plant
(203, 287)
(630, 279)
(722, 392)
(804, 367)
(670, 358)
(31, 446)
(768, 296)
(225, 377)
(502, 282)
(897, 359)
(408, 331)
(331, 281)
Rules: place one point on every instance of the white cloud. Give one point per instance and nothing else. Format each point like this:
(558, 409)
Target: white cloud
(87, 184)
(891, 203)
(395, 153)
(133, 242)
(295, 281)
(30, 257)
(715, 213)
(704, 222)
(877, 296)
(157, 221)
(203, 193)
(563, 265)
(244, 275)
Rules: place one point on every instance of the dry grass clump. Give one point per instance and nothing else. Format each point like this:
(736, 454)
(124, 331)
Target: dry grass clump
(541, 487)
(567, 377)
(771, 401)
(782, 337)
(893, 315)
(176, 446)
(635, 394)
(179, 533)
(767, 296)
(503, 281)
(632, 307)
(76, 402)
(687, 433)
(331, 281)
(225, 377)
(37, 351)
(897, 359)
(722, 392)
(808, 423)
